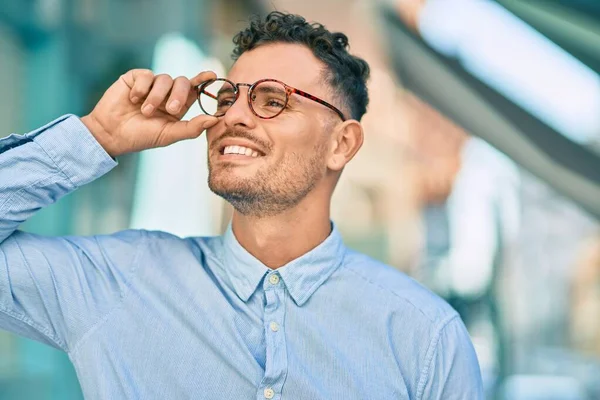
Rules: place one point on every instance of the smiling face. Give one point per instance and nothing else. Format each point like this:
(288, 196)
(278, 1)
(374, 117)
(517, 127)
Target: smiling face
(266, 166)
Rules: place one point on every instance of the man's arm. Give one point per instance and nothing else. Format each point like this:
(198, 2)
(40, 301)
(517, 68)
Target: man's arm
(451, 370)
(40, 167)
(54, 290)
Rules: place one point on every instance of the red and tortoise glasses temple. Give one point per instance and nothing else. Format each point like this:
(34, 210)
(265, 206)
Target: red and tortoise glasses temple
(288, 90)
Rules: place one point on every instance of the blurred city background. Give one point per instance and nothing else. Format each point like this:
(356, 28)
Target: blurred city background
(480, 173)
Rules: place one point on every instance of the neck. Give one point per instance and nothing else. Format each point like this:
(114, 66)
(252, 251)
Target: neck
(277, 240)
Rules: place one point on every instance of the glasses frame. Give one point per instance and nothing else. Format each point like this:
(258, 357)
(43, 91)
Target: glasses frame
(288, 90)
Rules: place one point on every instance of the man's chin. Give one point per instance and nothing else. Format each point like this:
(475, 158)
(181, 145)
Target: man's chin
(239, 196)
(227, 184)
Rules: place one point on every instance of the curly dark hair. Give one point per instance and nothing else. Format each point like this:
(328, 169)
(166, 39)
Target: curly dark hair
(346, 74)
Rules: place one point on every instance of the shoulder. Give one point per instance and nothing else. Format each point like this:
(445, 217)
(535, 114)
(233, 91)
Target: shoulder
(136, 244)
(416, 323)
(162, 242)
(395, 290)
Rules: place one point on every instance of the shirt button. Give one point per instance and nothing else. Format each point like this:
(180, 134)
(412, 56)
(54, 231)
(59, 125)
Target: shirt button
(274, 326)
(274, 279)
(269, 393)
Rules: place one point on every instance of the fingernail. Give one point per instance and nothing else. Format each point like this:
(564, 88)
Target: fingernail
(135, 100)
(174, 106)
(148, 108)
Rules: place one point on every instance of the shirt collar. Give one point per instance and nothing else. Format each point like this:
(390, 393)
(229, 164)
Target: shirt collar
(302, 276)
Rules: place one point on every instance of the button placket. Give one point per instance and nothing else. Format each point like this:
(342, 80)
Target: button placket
(274, 317)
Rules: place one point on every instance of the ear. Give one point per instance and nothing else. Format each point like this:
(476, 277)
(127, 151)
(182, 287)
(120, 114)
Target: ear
(346, 140)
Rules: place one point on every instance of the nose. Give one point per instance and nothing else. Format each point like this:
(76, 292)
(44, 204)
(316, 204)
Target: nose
(240, 114)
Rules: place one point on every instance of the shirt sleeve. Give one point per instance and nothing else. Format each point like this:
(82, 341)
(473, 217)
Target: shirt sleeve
(54, 290)
(451, 371)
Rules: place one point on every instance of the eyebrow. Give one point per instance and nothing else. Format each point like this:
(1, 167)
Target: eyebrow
(225, 90)
(269, 89)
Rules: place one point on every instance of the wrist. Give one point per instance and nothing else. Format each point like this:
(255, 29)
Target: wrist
(99, 134)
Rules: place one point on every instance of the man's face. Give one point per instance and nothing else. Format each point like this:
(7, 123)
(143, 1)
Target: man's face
(292, 147)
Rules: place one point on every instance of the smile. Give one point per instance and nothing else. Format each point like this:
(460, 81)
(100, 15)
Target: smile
(240, 150)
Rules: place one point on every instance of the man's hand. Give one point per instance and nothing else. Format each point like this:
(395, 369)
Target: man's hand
(142, 111)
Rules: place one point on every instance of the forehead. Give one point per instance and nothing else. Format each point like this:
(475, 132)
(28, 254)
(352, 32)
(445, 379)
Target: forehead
(293, 64)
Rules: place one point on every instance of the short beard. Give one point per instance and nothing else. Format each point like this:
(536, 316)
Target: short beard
(274, 189)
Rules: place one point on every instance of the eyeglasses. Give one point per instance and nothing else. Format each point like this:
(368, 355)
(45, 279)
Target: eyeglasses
(267, 98)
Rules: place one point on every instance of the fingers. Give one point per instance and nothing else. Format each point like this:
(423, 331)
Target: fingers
(160, 89)
(140, 81)
(202, 77)
(155, 90)
(182, 88)
(181, 130)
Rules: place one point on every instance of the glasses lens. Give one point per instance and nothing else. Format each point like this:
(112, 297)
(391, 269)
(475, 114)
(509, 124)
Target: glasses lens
(217, 97)
(268, 99)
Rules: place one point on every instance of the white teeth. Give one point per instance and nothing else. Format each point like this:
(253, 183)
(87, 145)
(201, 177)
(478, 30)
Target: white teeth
(245, 151)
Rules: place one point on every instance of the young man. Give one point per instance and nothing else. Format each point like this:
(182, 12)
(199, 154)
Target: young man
(277, 307)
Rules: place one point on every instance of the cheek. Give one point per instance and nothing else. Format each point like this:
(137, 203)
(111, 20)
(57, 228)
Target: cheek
(297, 153)
(299, 136)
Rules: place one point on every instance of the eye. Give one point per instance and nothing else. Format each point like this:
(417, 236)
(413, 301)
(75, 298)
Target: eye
(275, 103)
(267, 97)
(225, 101)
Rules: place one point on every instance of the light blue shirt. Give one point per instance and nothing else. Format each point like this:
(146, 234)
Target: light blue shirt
(148, 315)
